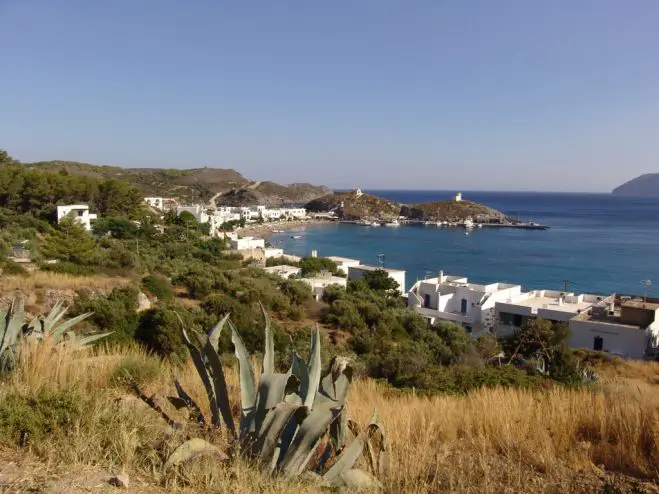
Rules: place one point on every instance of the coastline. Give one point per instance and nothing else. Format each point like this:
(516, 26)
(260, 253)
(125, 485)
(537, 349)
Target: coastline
(266, 229)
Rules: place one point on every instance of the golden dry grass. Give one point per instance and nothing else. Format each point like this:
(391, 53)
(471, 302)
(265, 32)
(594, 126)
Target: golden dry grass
(48, 280)
(492, 440)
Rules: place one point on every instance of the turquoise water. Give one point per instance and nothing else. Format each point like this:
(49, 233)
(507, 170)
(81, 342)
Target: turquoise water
(600, 243)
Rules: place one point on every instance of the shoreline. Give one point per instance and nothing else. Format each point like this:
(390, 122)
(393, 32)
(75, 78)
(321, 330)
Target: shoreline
(265, 230)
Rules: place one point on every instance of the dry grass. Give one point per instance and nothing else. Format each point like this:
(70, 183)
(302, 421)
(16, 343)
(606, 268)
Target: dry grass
(492, 440)
(47, 280)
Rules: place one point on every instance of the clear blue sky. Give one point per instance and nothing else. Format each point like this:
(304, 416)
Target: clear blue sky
(437, 94)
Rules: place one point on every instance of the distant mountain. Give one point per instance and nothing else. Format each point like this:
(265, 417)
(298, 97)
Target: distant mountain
(225, 186)
(644, 186)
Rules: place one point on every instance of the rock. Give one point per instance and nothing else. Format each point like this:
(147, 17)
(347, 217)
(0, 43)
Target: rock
(121, 481)
(143, 302)
(357, 480)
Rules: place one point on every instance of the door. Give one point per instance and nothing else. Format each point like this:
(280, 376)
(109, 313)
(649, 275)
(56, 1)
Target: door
(598, 343)
(426, 300)
(463, 306)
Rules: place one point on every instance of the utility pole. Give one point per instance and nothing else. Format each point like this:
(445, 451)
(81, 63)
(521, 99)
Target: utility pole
(565, 283)
(381, 260)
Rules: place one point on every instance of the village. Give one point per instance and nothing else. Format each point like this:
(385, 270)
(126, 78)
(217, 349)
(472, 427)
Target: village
(627, 326)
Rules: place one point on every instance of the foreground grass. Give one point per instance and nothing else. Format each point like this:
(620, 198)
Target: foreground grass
(59, 281)
(492, 440)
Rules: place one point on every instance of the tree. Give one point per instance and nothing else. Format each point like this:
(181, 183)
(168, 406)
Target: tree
(542, 340)
(313, 265)
(69, 242)
(380, 281)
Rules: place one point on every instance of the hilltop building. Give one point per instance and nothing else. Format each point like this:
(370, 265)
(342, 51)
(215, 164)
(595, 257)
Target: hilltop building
(453, 298)
(156, 202)
(79, 212)
(343, 264)
(357, 273)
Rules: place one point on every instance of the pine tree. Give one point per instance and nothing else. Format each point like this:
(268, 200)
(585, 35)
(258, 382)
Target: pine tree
(69, 242)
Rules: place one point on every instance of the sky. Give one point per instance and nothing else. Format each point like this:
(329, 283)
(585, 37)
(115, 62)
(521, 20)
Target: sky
(557, 95)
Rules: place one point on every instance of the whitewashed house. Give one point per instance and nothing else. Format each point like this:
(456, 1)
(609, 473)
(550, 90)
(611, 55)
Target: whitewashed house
(344, 263)
(552, 305)
(295, 213)
(79, 212)
(320, 282)
(629, 328)
(357, 273)
(283, 271)
(198, 211)
(453, 298)
(155, 202)
(243, 243)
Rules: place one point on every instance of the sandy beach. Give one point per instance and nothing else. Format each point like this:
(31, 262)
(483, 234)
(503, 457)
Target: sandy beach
(264, 230)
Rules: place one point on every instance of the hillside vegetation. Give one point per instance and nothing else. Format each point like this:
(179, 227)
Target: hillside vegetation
(193, 184)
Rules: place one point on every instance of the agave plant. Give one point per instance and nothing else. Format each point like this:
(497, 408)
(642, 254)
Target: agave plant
(287, 419)
(13, 327)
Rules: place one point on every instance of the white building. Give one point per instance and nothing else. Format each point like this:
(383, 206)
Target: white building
(295, 213)
(344, 263)
(552, 305)
(319, 283)
(198, 211)
(283, 271)
(453, 298)
(247, 243)
(358, 272)
(458, 197)
(626, 328)
(269, 252)
(155, 202)
(79, 212)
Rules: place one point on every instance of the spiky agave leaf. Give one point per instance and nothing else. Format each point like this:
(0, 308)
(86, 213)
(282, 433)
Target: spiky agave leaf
(272, 427)
(269, 353)
(191, 449)
(314, 368)
(57, 331)
(247, 381)
(215, 333)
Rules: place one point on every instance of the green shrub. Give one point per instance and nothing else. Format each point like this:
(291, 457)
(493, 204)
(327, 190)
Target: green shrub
(159, 330)
(30, 419)
(115, 312)
(11, 268)
(158, 286)
(137, 370)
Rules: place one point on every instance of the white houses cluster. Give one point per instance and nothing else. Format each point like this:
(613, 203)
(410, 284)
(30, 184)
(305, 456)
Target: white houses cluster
(619, 325)
(79, 212)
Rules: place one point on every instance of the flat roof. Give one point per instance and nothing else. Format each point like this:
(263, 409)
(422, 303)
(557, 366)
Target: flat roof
(341, 259)
(639, 304)
(282, 267)
(366, 267)
(539, 302)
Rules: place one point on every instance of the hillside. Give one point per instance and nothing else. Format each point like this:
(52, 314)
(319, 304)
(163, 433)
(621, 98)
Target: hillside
(450, 211)
(195, 184)
(351, 206)
(644, 186)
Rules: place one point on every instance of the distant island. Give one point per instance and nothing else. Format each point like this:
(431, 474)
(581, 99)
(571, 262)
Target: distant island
(646, 185)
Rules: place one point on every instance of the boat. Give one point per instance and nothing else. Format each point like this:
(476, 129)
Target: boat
(375, 223)
(278, 231)
(392, 223)
(466, 232)
(468, 222)
(296, 236)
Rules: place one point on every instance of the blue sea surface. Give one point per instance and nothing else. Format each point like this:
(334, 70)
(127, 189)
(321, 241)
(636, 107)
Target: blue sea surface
(601, 243)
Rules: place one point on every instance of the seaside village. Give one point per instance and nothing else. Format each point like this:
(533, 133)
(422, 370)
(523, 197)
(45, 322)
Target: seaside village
(627, 326)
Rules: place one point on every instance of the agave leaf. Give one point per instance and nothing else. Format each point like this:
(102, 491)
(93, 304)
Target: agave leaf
(57, 332)
(192, 449)
(15, 321)
(215, 333)
(220, 387)
(376, 445)
(272, 390)
(55, 314)
(247, 381)
(272, 428)
(198, 361)
(269, 354)
(346, 461)
(87, 340)
(336, 383)
(4, 321)
(150, 400)
(194, 408)
(315, 370)
(294, 459)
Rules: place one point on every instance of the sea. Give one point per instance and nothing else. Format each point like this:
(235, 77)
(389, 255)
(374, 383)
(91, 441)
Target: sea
(597, 243)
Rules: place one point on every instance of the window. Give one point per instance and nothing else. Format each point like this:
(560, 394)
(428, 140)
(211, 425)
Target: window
(468, 329)
(80, 212)
(598, 343)
(463, 306)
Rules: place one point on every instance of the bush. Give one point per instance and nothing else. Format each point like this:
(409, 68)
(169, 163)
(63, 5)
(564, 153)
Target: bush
(138, 370)
(11, 268)
(115, 312)
(32, 418)
(158, 286)
(159, 329)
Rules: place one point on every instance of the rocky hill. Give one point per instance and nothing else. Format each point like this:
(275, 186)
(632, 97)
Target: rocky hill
(352, 206)
(644, 186)
(451, 211)
(195, 184)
